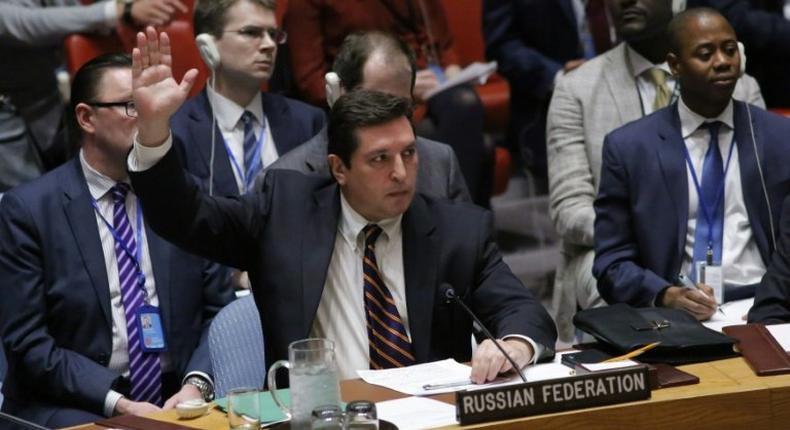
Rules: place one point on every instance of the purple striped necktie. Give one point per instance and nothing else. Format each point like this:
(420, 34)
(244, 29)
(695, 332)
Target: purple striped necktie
(145, 372)
(252, 164)
(388, 343)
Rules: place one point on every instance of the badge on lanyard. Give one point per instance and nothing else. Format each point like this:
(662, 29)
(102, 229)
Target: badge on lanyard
(711, 276)
(149, 323)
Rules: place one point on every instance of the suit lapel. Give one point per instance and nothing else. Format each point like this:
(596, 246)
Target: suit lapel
(318, 243)
(276, 115)
(201, 116)
(670, 152)
(419, 254)
(315, 161)
(622, 85)
(82, 221)
(159, 253)
(750, 178)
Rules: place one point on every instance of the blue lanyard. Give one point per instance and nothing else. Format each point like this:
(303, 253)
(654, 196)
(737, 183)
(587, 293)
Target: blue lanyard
(246, 177)
(706, 211)
(136, 256)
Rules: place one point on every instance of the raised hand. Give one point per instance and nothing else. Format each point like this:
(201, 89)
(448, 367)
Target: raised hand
(156, 93)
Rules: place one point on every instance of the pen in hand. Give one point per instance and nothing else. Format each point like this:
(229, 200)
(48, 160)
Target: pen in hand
(689, 284)
(429, 387)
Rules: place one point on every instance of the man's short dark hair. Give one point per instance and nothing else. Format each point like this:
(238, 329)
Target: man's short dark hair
(678, 26)
(210, 15)
(358, 109)
(357, 48)
(85, 86)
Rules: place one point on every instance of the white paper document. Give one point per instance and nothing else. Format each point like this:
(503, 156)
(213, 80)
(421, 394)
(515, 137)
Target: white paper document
(416, 413)
(414, 379)
(781, 332)
(734, 313)
(475, 72)
(613, 365)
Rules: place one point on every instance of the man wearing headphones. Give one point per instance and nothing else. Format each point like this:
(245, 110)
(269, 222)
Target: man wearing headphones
(238, 41)
(624, 84)
(689, 196)
(380, 61)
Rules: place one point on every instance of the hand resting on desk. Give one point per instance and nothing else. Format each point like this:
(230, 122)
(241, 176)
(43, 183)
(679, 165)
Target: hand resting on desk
(488, 361)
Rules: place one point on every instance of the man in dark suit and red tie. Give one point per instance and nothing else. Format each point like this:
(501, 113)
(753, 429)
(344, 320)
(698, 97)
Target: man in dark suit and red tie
(312, 246)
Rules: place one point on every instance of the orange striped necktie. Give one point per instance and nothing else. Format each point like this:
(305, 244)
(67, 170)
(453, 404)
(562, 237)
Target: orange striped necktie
(388, 342)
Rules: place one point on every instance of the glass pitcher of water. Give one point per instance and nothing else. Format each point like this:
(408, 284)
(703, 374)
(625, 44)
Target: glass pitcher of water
(312, 375)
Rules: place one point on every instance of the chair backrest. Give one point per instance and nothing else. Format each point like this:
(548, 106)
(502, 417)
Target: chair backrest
(80, 48)
(235, 341)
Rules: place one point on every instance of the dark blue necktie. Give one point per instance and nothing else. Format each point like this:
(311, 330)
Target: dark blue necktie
(145, 373)
(709, 232)
(389, 345)
(252, 163)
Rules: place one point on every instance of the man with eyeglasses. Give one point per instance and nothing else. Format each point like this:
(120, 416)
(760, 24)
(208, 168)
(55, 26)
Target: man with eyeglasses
(99, 315)
(253, 128)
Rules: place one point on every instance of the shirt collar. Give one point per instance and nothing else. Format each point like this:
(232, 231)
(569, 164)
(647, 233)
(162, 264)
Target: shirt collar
(352, 223)
(98, 184)
(690, 121)
(640, 64)
(229, 113)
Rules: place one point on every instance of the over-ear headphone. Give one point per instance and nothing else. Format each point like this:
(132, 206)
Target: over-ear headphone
(207, 47)
(333, 90)
(678, 6)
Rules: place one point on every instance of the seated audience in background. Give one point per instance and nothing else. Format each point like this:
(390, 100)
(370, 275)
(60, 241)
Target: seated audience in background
(535, 42)
(341, 258)
(454, 116)
(622, 85)
(686, 185)
(764, 27)
(79, 268)
(772, 297)
(253, 128)
(381, 62)
(31, 34)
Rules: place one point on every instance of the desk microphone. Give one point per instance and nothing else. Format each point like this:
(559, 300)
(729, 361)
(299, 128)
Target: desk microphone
(20, 422)
(448, 293)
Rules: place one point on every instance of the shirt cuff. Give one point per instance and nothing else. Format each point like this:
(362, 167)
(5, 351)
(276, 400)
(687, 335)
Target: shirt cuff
(111, 13)
(110, 401)
(537, 348)
(144, 157)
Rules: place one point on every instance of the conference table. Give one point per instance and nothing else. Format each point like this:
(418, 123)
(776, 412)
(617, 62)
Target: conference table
(729, 396)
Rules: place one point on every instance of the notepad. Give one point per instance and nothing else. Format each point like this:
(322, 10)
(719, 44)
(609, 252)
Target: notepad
(270, 412)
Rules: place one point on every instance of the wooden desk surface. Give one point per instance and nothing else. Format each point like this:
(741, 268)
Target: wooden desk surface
(729, 396)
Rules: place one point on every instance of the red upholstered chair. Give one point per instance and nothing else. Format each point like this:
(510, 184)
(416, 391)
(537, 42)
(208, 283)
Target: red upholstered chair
(465, 18)
(81, 48)
(781, 111)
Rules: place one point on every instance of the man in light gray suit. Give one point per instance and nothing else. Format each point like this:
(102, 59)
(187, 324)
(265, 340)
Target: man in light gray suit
(31, 33)
(626, 83)
(379, 61)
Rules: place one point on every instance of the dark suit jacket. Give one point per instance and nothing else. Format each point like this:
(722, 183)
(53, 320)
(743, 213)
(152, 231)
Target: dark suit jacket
(772, 297)
(284, 237)
(438, 175)
(642, 205)
(55, 318)
(292, 123)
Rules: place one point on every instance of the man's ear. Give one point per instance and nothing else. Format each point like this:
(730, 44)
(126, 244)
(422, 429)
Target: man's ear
(674, 64)
(85, 117)
(338, 168)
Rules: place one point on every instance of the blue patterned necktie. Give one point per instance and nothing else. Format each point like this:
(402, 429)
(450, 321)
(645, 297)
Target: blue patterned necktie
(712, 181)
(145, 372)
(252, 164)
(389, 345)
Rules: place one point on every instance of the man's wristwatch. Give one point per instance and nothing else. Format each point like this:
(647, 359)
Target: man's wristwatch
(205, 388)
(127, 11)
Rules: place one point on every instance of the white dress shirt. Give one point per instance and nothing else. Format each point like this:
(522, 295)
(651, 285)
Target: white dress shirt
(228, 115)
(644, 86)
(99, 187)
(341, 310)
(741, 260)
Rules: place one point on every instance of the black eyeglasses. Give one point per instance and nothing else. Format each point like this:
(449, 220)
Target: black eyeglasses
(252, 32)
(131, 110)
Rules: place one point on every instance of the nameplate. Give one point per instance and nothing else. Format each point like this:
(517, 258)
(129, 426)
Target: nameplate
(554, 395)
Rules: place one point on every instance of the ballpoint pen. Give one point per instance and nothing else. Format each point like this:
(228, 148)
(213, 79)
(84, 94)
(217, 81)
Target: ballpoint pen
(632, 354)
(688, 284)
(429, 387)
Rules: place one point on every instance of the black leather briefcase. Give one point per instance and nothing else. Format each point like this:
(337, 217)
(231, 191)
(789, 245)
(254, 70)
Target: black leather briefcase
(621, 328)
